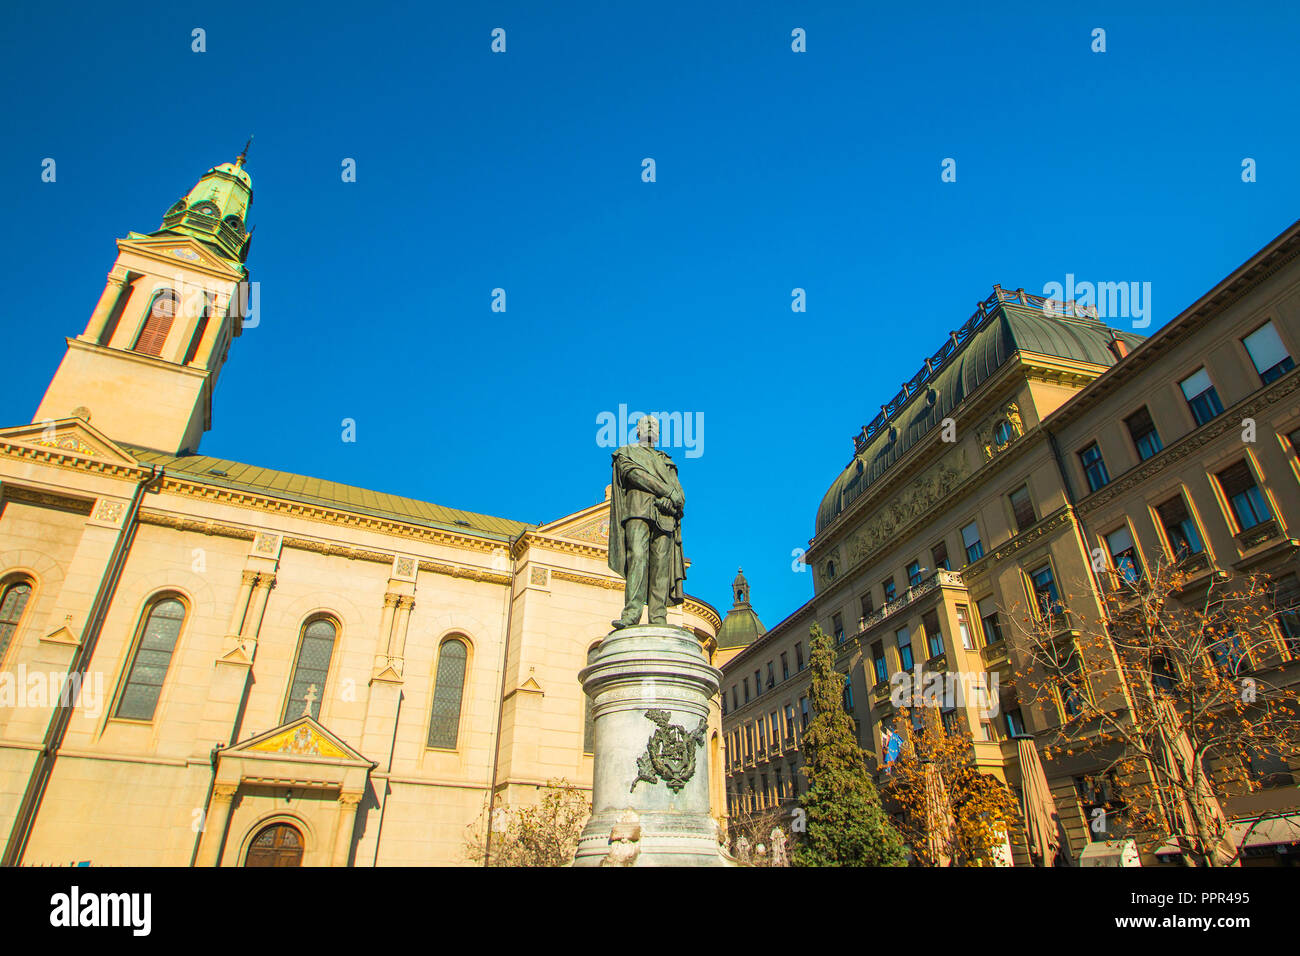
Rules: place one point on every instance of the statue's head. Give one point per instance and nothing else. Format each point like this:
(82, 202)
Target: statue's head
(647, 430)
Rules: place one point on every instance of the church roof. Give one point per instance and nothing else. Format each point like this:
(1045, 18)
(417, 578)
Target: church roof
(330, 494)
(1003, 326)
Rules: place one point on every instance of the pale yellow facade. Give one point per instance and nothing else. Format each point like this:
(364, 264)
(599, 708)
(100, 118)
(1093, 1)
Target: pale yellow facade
(106, 516)
(921, 556)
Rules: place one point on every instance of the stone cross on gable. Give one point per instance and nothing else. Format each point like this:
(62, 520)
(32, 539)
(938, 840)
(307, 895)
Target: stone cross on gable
(309, 700)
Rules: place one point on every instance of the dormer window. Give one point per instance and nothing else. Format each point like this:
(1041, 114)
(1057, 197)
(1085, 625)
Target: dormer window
(206, 208)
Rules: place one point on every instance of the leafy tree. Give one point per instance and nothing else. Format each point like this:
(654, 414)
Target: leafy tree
(1180, 685)
(951, 812)
(845, 823)
(544, 834)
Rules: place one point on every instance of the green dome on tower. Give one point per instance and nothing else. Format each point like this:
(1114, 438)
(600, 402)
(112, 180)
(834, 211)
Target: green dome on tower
(215, 211)
(741, 627)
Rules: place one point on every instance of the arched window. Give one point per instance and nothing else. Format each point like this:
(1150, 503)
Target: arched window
(199, 328)
(277, 845)
(448, 690)
(156, 642)
(162, 312)
(315, 648)
(13, 601)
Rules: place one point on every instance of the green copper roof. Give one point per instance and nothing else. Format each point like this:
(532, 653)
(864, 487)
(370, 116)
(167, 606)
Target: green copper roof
(215, 211)
(741, 627)
(1003, 327)
(330, 494)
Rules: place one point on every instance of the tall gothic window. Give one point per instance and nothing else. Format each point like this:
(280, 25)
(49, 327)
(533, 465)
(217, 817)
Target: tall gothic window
(448, 690)
(315, 648)
(13, 601)
(162, 312)
(155, 644)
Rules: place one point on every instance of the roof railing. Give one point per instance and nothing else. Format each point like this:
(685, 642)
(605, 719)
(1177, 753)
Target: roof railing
(982, 315)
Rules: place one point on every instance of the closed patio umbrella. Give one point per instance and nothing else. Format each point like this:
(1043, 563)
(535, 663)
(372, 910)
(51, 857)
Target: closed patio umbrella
(1036, 805)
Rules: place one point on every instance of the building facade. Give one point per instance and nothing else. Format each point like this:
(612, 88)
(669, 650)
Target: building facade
(271, 669)
(1039, 453)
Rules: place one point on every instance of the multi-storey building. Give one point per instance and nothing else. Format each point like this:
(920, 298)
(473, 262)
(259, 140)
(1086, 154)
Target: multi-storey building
(1034, 436)
(273, 669)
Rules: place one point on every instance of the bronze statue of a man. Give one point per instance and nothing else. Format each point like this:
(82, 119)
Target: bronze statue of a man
(646, 504)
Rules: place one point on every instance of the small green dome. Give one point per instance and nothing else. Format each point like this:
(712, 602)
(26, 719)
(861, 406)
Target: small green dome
(741, 627)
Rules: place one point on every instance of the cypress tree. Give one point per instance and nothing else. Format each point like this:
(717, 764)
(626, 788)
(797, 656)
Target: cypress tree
(845, 823)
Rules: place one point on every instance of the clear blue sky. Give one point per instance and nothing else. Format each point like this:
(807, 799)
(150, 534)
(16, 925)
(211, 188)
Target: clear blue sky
(775, 170)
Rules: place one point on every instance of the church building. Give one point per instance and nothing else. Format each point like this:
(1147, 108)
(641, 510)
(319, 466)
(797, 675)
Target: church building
(267, 669)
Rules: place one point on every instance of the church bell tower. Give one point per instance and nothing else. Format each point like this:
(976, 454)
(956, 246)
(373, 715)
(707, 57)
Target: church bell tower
(144, 369)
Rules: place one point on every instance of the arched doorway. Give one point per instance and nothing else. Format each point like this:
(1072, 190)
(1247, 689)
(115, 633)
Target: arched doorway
(276, 845)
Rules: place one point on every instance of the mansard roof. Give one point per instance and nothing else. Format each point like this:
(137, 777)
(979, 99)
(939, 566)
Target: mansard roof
(1006, 323)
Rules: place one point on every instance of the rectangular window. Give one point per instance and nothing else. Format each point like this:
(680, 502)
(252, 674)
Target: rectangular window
(1022, 507)
(803, 713)
(746, 683)
(1073, 685)
(939, 554)
(775, 719)
(867, 605)
(1143, 432)
(837, 628)
(963, 627)
(914, 574)
(1229, 654)
(933, 635)
(724, 712)
(1094, 468)
(798, 655)
(878, 662)
(735, 698)
(771, 675)
(758, 684)
(1268, 353)
(989, 619)
(1286, 602)
(1180, 529)
(1201, 396)
(1245, 498)
(762, 735)
(1123, 555)
(749, 742)
(1015, 722)
(785, 666)
(1045, 596)
(789, 723)
(888, 586)
(848, 695)
(970, 539)
(904, 641)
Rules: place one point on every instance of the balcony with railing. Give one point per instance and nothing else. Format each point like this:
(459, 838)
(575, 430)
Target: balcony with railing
(925, 587)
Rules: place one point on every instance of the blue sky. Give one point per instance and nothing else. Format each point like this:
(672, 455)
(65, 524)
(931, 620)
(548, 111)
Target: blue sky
(522, 171)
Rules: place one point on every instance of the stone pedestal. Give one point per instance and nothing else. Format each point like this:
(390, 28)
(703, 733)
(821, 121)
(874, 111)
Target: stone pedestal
(650, 687)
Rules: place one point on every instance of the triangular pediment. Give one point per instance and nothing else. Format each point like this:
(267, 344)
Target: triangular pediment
(179, 250)
(301, 738)
(590, 525)
(69, 436)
